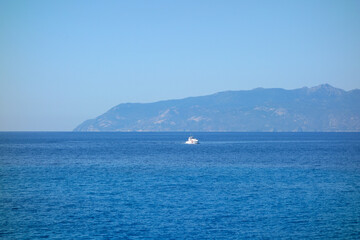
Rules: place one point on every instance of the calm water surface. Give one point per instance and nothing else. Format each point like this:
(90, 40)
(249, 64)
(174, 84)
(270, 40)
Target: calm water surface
(152, 185)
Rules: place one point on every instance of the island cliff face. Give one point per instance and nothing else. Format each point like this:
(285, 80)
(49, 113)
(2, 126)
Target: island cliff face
(320, 108)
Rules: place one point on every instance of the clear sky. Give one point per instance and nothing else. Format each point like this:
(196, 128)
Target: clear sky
(62, 62)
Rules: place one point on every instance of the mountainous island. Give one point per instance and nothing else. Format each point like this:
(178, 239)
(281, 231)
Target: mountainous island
(321, 108)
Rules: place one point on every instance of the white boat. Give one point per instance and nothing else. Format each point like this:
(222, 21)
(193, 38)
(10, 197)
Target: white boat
(192, 140)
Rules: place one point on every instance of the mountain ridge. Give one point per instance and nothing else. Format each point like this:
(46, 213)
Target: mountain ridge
(319, 108)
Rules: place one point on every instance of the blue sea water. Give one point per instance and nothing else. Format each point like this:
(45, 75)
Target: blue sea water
(153, 186)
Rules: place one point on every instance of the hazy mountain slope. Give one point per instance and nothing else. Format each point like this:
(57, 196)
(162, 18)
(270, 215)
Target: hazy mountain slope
(321, 108)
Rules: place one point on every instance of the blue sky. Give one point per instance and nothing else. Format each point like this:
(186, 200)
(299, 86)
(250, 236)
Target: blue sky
(63, 62)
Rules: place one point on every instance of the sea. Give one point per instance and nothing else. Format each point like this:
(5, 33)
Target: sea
(147, 185)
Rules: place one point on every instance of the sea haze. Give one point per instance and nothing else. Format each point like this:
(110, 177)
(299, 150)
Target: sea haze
(151, 185)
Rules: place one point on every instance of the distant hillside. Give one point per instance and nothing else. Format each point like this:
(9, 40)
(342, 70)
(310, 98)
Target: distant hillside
(321, 108)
